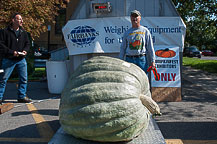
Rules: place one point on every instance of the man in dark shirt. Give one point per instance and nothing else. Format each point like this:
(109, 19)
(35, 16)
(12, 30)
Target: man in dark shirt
(14, 43)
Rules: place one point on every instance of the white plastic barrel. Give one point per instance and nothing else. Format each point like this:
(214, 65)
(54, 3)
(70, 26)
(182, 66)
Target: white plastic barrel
(57, 75)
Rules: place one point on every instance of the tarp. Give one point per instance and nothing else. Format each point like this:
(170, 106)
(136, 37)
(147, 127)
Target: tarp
(104, 35)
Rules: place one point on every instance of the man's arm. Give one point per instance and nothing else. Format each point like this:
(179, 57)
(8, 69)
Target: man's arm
(3, 47)
(150, 49)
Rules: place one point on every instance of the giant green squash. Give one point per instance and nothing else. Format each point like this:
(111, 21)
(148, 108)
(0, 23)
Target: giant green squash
(101, 101)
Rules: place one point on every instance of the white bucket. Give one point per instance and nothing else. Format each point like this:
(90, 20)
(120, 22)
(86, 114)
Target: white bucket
(57, 76)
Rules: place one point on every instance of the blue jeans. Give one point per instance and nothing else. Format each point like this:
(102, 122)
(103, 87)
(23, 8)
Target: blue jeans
(139, 61)
(8, 67)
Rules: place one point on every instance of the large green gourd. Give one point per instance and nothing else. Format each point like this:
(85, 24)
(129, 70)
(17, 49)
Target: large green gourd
(101, 101)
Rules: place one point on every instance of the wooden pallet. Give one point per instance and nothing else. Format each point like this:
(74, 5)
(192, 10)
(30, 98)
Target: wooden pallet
(6, 107)
(170, 94)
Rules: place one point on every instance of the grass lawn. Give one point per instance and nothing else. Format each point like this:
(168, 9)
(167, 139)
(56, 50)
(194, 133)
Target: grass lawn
(38, 74)
(205, 65)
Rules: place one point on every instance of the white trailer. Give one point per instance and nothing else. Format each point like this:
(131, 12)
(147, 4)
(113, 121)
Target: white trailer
(106, 20)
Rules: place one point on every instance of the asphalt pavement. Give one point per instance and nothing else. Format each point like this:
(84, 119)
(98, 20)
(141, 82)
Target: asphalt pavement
(193, 120)
(30, 123)
(208, 57)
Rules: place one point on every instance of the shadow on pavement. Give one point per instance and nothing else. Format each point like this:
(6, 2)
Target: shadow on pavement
(42, 112)
(189, 130)
(35, 91)
(194, 93)
(194, 118)
(27, 134)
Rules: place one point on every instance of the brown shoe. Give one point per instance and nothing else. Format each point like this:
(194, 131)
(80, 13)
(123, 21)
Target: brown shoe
(24, 100)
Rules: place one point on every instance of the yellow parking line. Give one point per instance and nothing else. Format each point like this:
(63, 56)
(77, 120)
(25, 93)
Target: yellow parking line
(44, 129)
(173, 141)
(179, 141)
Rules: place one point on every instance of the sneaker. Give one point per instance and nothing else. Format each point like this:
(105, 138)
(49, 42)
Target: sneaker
(24, 100)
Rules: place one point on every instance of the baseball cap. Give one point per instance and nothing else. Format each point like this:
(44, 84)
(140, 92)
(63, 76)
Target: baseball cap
(135, 12)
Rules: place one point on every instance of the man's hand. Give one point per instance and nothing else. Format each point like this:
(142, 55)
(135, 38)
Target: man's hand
(153, 65)
(24, 52)
(16, 54)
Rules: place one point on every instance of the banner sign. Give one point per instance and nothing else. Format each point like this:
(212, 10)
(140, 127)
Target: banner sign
(168, 67)
(104, 35)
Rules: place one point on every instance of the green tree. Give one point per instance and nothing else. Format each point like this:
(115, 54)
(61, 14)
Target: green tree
(201, 21)
(36, 13)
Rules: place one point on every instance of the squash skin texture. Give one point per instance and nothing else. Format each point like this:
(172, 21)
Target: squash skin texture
(101, 101)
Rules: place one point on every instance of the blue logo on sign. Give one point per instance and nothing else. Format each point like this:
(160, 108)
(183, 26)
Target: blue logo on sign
(83, 35)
